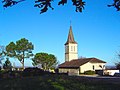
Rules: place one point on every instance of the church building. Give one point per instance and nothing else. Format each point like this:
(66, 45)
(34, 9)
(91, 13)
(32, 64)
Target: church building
(74, 65)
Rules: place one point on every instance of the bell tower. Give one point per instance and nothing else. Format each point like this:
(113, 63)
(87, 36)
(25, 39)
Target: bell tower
(71, 51)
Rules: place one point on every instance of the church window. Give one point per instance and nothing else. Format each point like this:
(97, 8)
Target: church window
(93, 67)
(67, 49)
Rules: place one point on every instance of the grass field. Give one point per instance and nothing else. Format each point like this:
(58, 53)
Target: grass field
(59, 82)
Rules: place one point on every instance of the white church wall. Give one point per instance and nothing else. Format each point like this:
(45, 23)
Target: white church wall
(92, 66)
(85, 67)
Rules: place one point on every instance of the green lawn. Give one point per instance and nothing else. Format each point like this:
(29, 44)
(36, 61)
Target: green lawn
(59, 82)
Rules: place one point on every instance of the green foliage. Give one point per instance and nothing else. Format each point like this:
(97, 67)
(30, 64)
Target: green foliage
(89, 72)
(10, 48)
(21, 49)
(7, 65)
(48, 61)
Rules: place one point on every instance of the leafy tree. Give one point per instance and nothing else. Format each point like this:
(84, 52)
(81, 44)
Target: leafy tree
(21, 49)
(45, 4)
(7, 65)
(48, 61)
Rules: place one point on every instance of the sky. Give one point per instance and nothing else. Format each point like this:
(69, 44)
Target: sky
(96, 29)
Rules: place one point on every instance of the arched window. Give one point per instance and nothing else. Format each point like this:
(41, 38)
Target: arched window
(93, 67)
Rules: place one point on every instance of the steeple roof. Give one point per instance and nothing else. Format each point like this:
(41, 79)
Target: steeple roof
(70, 37)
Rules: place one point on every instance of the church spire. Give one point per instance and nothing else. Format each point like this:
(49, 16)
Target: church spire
(71, 51)
(70, 37)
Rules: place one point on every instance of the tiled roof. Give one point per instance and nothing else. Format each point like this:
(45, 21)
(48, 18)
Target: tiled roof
(78, 62)
(70, 37)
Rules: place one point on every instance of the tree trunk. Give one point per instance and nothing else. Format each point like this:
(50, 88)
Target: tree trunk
(23, 61)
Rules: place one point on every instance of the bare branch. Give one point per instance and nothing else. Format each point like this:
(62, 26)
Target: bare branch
(44, 4)
(9, 3)
(116, 4)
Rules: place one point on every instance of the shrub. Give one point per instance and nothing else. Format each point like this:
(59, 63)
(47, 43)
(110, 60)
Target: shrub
(10, 74)
(34, 72)
(89, 72)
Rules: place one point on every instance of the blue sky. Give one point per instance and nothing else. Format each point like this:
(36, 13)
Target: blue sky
(96, 29)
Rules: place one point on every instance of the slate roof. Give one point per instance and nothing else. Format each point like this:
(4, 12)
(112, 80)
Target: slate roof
(79, 62)
(70, 37)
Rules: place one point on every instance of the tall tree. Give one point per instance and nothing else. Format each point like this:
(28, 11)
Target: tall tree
(21, 49)
(48, 61)
(24, 50)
